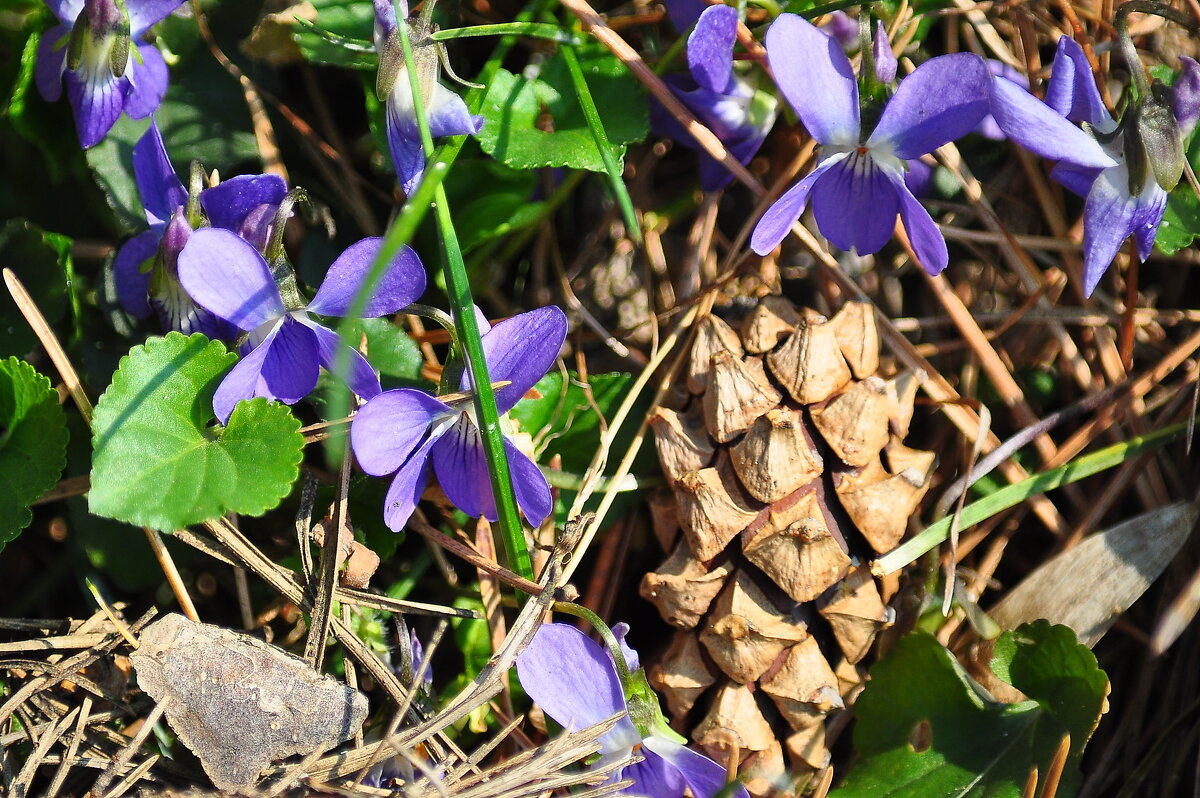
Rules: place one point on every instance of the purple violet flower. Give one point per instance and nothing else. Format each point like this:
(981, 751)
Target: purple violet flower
(724, 102)
(286, 347)
(404, 431)
(95, 50)
(145, 269)
(857, 188)
(1093, 162)
(446, 111)
(575, 681)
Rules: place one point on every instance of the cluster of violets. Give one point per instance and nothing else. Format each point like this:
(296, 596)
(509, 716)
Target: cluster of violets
(212, 259)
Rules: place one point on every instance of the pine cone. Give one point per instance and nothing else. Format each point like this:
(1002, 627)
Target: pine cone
(786, 470)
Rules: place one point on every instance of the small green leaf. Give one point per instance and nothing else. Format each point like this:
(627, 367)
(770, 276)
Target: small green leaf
(924, 727)
(563, 421)
(505, 207)
(158, 459)
(33, 443)
(389, 348)
(536, 122)
(39, 259)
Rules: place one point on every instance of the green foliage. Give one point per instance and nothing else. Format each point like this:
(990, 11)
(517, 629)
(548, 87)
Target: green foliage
(321, 46)
(159, 461)
(532, 122)
(41, 261)
(506, 206)
(563, 421)
(389, 349)
(33, 443)
(926, 728)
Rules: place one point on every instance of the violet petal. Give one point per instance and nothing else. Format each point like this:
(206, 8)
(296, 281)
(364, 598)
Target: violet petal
(282, 368)
(448, 114)
(1185, 95)
(1109, 216)
(885, 58)
(130, 281)
(147, 82)
(855, 205)
(942, 100)
(815, 76)
(520, 350)
(388, 429)
(774, 225)
(705, 777)
(159, 187)
(529, 485)
(400, 284)
(404, 143)
(684, 13)
(227, 204)
(358, 373)
(145, 13)
(1072, 89)
(654, 777)
(923, 234)
(51, 61)
(1077, 179)
(710, 47)
(461, 467)
(67, 11)
(407, 487)
(97, 101)
(574, 681)
(1038, 128)
(227, 276)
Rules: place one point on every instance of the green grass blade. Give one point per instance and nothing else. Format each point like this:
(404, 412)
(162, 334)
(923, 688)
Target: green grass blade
(536, 30)
(458, 288)
(1012, 495)
(592, 115)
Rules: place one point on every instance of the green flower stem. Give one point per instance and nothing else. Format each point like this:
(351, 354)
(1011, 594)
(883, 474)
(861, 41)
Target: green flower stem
(632, 227)
(536, 30)
(458, 288)
(610, 640)
(1012, 495)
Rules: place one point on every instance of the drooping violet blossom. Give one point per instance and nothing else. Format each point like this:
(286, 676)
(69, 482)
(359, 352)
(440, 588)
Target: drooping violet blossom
(405, 431)
(145, 269)
(95, 49)
(723, 101)
(446, 112)
(1121, 198)
(286, 347)
(575, 681)
(857, 188)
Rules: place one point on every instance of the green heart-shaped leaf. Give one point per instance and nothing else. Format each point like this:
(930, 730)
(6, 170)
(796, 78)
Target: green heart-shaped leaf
(159, 460)
(33, 443)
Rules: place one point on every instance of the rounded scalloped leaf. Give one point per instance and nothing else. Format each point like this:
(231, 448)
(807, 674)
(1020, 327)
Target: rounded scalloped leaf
(158, 457)
(33, 443)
